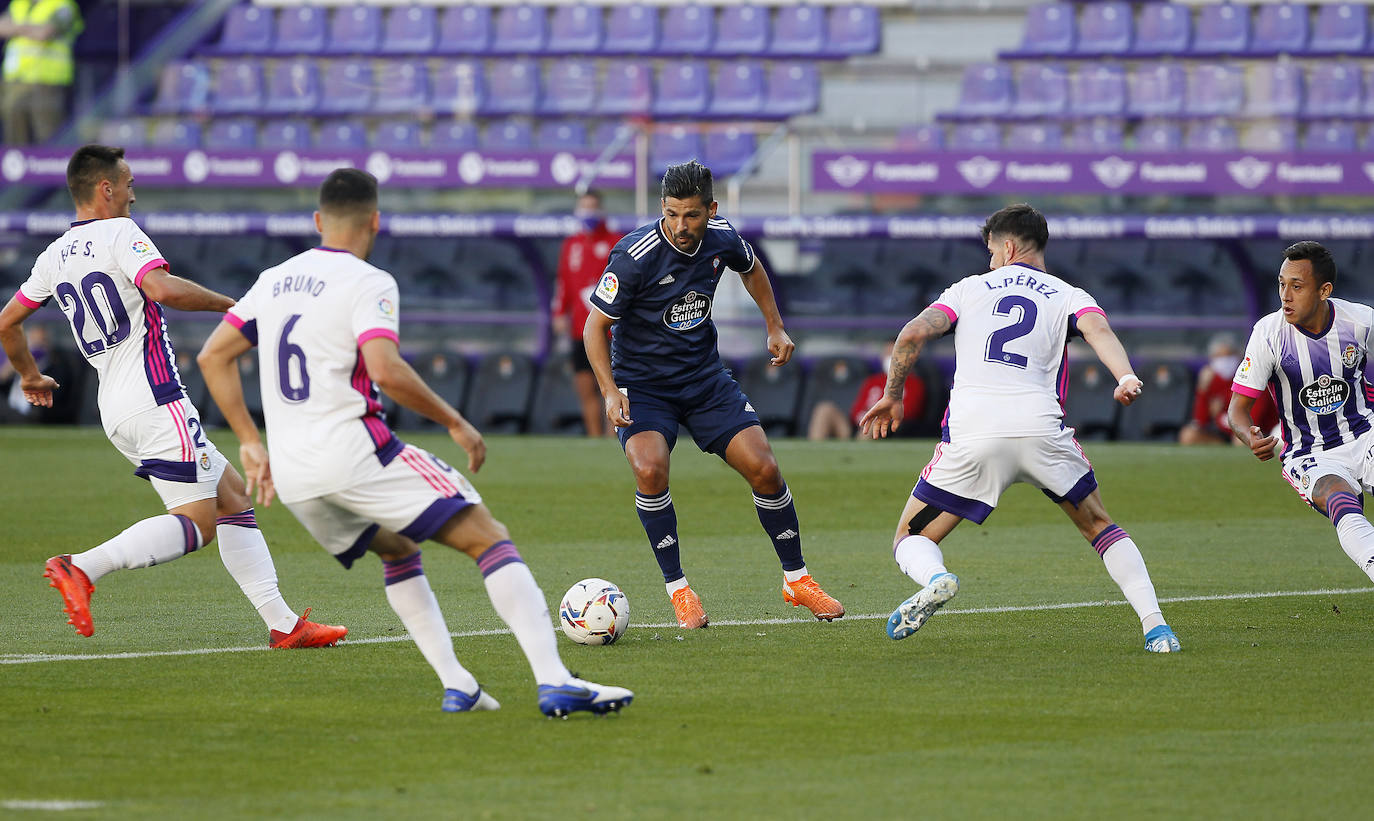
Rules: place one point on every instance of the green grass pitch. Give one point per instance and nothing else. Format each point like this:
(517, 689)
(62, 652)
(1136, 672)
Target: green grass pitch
(1021, 712)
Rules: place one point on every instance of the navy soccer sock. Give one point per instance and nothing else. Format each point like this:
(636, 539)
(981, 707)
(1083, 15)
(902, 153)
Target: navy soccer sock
(778, 516)
(659, 518)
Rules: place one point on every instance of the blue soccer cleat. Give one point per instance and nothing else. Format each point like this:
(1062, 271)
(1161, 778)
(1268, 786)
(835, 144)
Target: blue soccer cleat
(912, 613)
(1162, 640)
(457, 701)
(581, 696)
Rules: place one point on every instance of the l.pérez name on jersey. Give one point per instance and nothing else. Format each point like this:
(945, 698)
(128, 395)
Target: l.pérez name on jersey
(687, 312)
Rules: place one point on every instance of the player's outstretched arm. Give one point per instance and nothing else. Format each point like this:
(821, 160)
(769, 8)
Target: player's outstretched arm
(599, 354)
(1244, 428)
(886, 414)
(391, 373)
(219, 366)
(1102, 339)
(756, 282)
(172, 291)
(37, 387)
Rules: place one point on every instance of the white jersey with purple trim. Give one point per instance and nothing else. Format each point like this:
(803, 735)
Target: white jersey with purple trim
(309, 317)
(1010, 330)
(94, 271)
(1317, 380)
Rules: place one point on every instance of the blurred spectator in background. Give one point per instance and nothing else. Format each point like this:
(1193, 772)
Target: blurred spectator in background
(54, 363)
(38, 67)
(828, 421)
(1209, 424)
(580, 265)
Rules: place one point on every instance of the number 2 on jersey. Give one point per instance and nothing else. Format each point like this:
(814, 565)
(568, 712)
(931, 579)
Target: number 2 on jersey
(287, 352)
(998, 339)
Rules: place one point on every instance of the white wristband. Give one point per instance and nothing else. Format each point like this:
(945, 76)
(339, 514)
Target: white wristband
(1123, 379)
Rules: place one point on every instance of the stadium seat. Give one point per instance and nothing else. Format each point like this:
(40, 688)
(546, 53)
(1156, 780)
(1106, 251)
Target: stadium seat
(300, 30)
(774, 393)
(453, 136)
(1333, 90)
(182, 87)
(1097, 90)
(673, 145)
(398, 135)
(460, 87)
(293, 87)
(562, 136)
(247, 30)
(575, 29)
(284, 133)
(852, 30)
(355, 30)
(920, 138)
(1367, 105)
(1049, 30)
(727, 149)
(631, 29)
(1327, 138)
(447, 375)
(1156, 90)
(237, 87)
(986, 90)
(512, 87)
(232, 133)
(1034, 137)
(607, 133)
(569, 87)
(410, 30)
(1214, 90)
(464, 29)
(521, 29)
(1270, 137)
(683, 89)
(130, 133)
(1211, 136)
(1089, 407)
(1097, 136)
(741, 31)
(1341, 28)
(1222, 28)
(1164, 29)
(1104, 30)
(176, 134)
(798, 31)
(687, 30)
(402, 86)
(1279, 29)
(793, 88)
(1163, 407)
(341, 135)
(976, 137)
(833, 379)
(626, 90)
(738, 90)
(1158, 137)
(1042, 90)
(507, 135)
(346, 87)
(1273, 89)
(499, 397)
(556, 408)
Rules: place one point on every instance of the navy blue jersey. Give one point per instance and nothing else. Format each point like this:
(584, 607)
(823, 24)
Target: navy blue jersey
(661, 299)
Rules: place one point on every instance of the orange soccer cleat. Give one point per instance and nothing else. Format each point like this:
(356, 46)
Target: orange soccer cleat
(76, 590)
(805, 591)
(687, 608)
(307, 634)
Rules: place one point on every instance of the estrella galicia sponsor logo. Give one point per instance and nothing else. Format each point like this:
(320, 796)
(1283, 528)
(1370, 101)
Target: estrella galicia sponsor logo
(687, 312)
(1249, 172)
(848, 171)
(979, 171)
(1113, 171)
(1324, 395)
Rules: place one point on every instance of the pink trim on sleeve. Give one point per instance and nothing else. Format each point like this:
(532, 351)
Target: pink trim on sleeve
(1245, 390)
(233, 320)
(149, 266)
(1091, 309)
(949, 312)
(26, 302)
(385, 333)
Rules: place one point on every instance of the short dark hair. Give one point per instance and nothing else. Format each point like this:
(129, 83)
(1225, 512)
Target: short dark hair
(348, 192)
(88, 166)
(687, 180)
(1020, 221)
(1323, 266)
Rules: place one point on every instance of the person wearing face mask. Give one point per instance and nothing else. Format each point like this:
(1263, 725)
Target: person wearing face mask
(1209, 424)
(580, 265)
(828, 421)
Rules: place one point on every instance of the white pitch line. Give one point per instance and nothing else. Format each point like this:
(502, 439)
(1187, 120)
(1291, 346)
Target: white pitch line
(56, 806)
(33, 658)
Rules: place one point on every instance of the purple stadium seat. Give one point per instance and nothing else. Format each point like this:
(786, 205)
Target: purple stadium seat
(793, 88)
(460, 87)
(232, 133)
(1271, 137)
(683, 89)
(182, 87)
(1034, 137)
(342, 135)
(402, 85)
(512, 87)
(464, 30)
(1156, 90)
(1098, 90)
(727, 149)
(1273, 89)
(1328, 138)
(507, 135)
(1367, 144)
(851, 30)
(284, 134)
(1333, 90)
(410, 30)
(631, 29)
(738, 91)
(985, 91)
(1105, 29)
(1103, 136)
(346, 87)
(521, 29)
(355, 30)
(1214, 90)
(300, 30)
(673, 145)
(1342, 28)
(176, 134)
(608, 132)
(569, 87)
(1279, 29)
(798, 31)
(687, 30)
(920, 138)
(237, 87)
(1211, 136)
(1164, 28)
(247, 30)
(293, 87)
(1222, 28)
(1042, 90)
(1158, 137)
(1367, 107)
(562, 136)
(626, 90)
(398, 135)
(742, 30)
(976, 137)
(1049, 30)
(453, 136)
(131, 133)
(575, 30)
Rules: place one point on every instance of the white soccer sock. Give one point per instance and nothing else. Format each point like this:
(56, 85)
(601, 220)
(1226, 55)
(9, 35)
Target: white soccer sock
(245, 555)
(1357, 540)
(920, 558)
(1127, 568)
(142, 544)
(790, 576)
(414, 602)
(673, 587)
(520, 604)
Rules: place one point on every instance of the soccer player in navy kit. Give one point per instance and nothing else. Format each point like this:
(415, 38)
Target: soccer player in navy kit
(662, 369)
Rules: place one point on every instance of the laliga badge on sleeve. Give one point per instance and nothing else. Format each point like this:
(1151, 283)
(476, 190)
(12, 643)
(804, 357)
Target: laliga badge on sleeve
(608, 287)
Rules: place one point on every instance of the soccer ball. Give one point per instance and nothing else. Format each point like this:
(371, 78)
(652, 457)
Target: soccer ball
(594, 611)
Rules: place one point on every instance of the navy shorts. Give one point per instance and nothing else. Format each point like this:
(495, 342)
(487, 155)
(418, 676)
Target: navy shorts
(713, 410)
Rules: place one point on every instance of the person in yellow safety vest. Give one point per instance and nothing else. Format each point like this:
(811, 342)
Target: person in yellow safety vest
(38, 67)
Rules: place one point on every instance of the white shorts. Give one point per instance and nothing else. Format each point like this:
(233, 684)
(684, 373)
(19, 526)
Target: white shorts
(1352, 462)
(414, 494)
(168, 446)
(967, 478)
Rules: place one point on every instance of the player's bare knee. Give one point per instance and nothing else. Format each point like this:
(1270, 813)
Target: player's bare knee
(765, 477)
(472, 530)
(391, 546)
(1326, 486)
(651, 475)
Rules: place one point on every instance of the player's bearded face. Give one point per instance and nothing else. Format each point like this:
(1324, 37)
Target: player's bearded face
(685, 220)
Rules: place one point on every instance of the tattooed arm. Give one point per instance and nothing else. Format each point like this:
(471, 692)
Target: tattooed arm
(886, 414)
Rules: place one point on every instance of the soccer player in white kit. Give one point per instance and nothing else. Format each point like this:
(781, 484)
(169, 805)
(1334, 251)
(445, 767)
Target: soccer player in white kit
(326, 326)
(1311, 355)
(108, 278)
(1005, 419)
